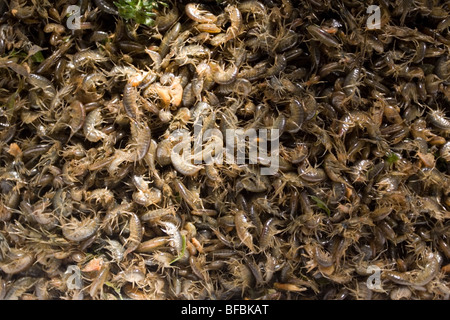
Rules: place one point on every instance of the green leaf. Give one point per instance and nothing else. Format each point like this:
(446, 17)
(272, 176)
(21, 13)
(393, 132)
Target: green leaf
(38, 57)
(322, 205)
(392, 158)
(141, 11)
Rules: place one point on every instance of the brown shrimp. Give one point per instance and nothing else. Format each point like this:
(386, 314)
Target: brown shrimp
(19, 264)
(130, 101)
(236, 22)
(242, 229)
(209, 28)
(77, 230)
(93, 119)
(223, 76)
(182, 163)
(169, 36)
(82, 58)
(152, 244)
(194, 12)
(77, 116)
(141, 137)
(136, 234)
(438, 119)
(295, 121)
(268, 232)
(322, 36)
(157, 214)
(100, 280)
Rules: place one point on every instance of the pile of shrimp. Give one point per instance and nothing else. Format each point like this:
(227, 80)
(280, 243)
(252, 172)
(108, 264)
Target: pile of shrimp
(96, 202)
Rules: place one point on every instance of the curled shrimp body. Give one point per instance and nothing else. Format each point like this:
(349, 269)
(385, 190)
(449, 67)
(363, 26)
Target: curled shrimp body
(236, 22)
(93, 119)
(224, 76)
(78, 231)
(194, 12)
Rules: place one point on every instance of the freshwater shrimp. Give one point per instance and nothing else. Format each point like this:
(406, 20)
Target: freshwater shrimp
(322, 36)
(297, 116)
(182, 163)
(136, 234)
(93, 119)
(76, 230)
(77, 114)
(130, 100)
(268, 232)
(438, 119)
(417, 278)
(236, 22)
(242, 229)
(21, 263)
(145, 195)
(157, 214)
(194, 12)
(82, 58)
(152, 244)
(140, 140)
(222, 76)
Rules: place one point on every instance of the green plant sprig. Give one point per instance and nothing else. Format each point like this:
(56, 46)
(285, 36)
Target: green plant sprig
(140, 11)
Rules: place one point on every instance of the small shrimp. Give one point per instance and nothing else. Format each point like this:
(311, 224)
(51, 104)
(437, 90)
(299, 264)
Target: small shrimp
(243, 224)
(93, 119)
(254, 73)
(170, 36)
(152, 244)
(295, 121)
(157, 214)
(99, 281)
(187, 195)
(78, 231)
(236, 22)
(322, 36)
(417, 278)
(438, 119)
(136, 234)
(19, 288)
(268, 232)
(241, 87)
(252, 6)
(21, 263)
(43, 83)
(130, 100)
(194, 12)
(209, 28)
(182, 163)
(54, 57)
(172, 230)
(77, 114)
(82, 58)
(278, 66)
(351, 81)
(222, 76)
(141, 138)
